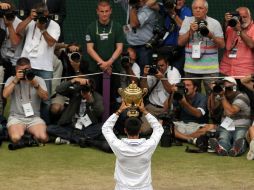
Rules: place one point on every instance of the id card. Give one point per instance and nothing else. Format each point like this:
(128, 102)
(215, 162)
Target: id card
(104, 36)
(233, 53)
(196, 51)
(126, 28)
(28, 109)
(86, 121)
(228, 124)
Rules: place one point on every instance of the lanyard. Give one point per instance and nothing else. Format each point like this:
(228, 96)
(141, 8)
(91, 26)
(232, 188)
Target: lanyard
(20, 93)
(97, 28)
(34, 33)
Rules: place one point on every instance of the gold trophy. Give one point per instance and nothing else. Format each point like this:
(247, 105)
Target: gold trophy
(132, 96)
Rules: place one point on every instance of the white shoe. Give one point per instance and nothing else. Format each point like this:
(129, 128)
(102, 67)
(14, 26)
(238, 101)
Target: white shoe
(250, 155)
(59, 141)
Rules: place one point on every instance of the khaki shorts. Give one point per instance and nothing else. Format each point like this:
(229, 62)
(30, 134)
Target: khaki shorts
(26, 121)
(187, 128)
(59, 99)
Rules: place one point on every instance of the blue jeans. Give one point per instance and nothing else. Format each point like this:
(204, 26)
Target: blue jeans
(227, 138)
(45, 105)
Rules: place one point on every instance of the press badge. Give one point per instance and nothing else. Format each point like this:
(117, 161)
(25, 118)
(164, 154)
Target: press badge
(196, 50)
(104, 36)
(228, 124)
(126, 28)
(86, 121)
(28, 109)
(233, 53)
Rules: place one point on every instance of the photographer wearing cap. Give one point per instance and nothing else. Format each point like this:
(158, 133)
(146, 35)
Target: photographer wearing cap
(202, 36)
(158, 79)
(190, 110)
(238, 57)
(26, 91)
(12, 42)
(235, 120)
(41, 34)
(80, 120)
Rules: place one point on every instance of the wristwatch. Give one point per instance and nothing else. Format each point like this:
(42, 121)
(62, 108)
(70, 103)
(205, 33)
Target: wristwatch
(173, 16)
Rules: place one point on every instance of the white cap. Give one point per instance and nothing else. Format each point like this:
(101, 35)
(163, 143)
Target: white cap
(230, 79)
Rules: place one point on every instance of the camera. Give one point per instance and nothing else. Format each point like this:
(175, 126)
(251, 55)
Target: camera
(181, 91)
(42, 19)
(76, 87)
(74, 56)
(152, 70)
(168, 137)
(235, 18)
(9, 14)
(202, 27)
(157, 38)
(26, 141)
(169, 4)
(218, 87)
(125, 60)
(28, 74)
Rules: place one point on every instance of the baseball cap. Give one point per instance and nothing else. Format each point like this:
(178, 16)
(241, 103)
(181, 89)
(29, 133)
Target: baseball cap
(230, 79)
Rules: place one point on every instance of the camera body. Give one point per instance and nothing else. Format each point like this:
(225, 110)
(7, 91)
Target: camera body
(152, 70)
(75, 56)
(28, 74)
(42, 19)
(168, 137)
(235, 18)
(157, 38)
(202, 27)
(9, 14)
(169, 4)
(76, 87)
(181, 91)
(218, 87)
(125, 60)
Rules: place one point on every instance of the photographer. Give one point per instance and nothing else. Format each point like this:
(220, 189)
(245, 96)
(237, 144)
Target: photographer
(173, 12)
(41, 34)
(202, 36)
(73, 65)
(130, 67)
(56, 8)
(158, 79)
(238, 55)
(139, 30)
(235, 120)
(80, 121)
(190, 109)
(12, 44)
(26, 92)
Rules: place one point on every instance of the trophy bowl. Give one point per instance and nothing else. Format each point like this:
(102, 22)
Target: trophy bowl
(132, 96)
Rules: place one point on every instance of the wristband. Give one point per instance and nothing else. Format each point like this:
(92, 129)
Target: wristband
(118, 112)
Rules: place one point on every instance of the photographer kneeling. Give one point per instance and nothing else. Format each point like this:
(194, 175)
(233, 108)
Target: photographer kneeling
(26, 91)
(158, 79)
(235, 120)
(80, 121)
(190, 108)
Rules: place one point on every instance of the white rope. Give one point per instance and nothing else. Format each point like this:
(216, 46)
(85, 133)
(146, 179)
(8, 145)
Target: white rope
(121, 74)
